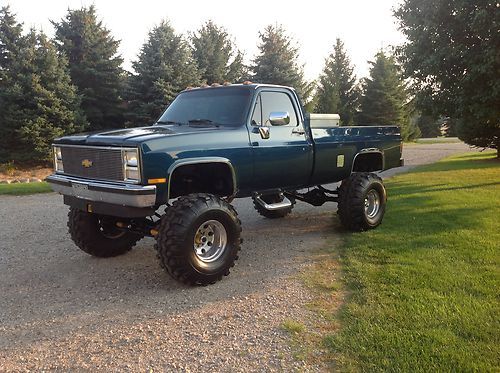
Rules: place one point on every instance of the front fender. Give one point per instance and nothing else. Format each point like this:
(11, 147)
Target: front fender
(201, 160)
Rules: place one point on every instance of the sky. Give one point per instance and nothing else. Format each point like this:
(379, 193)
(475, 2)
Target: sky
(365, 26)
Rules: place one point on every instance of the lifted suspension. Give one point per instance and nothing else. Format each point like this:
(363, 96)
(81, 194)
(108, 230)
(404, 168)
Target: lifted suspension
(316, 197)
(147, 227)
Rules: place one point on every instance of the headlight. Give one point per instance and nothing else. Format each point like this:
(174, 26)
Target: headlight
(131, 170)
(58, 162)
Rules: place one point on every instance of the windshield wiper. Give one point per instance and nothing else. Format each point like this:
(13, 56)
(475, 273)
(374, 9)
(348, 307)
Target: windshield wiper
(196, 122)
(169, 122)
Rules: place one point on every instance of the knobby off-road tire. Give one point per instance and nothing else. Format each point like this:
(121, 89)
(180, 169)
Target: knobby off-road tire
(362, 201)
(98, 236)
(272, 214)
(198, 239)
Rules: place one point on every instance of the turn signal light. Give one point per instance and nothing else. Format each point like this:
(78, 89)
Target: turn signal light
(157, 181)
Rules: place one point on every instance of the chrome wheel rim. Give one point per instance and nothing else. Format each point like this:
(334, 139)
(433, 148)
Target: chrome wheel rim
(372, 204)
(210, 241)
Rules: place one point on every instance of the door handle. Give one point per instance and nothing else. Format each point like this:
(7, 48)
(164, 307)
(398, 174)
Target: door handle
(298, 131)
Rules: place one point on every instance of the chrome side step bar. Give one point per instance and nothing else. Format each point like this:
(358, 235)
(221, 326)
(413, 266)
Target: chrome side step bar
(273, 206)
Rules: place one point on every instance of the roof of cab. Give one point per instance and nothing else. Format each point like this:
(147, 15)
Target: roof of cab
(248, 85)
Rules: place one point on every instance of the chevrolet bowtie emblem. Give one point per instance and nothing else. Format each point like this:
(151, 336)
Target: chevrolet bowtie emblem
(87, 163)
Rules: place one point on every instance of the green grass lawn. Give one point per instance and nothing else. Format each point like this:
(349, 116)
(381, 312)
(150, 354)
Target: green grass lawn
(423, 289)
(19, 189)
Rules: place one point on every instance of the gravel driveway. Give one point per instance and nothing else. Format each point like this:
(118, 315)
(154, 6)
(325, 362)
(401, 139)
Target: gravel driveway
(61, 309)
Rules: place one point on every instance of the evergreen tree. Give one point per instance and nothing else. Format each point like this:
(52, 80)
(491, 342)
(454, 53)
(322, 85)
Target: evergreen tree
(385, 100)
(337, 91)
(39, 102)
(216, 55)
(94, 64)
(429, 125)
(452, 57)
(277, 62)
(10, 36)
(409, 126)
(164, 68)
(238, 71)
(10, 44)
(309, 99)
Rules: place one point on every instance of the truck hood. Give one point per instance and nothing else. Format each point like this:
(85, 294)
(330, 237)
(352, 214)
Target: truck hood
(133, 136)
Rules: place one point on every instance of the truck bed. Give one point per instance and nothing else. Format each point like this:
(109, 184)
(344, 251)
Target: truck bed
(335, 149)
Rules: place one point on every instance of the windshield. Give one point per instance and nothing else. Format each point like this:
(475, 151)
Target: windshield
(219, 106)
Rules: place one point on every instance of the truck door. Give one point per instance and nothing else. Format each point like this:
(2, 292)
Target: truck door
(282, 150)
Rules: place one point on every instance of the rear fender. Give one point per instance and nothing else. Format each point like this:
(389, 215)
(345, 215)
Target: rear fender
(368, 160)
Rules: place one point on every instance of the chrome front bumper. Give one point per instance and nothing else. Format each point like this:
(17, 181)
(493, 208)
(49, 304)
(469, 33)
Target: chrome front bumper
(100, 191)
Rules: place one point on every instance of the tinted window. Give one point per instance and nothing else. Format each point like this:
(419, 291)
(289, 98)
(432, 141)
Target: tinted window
(277, 101)
(224, 106)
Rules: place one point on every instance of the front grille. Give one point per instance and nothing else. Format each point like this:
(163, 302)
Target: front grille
(102, 163)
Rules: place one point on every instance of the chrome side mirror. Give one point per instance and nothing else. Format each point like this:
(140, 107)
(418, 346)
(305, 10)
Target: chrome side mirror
(279, 118)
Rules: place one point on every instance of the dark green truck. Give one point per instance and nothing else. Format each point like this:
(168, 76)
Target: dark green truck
(175, 180)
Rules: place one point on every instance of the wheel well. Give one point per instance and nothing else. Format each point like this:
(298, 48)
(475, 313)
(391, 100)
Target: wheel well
(367, 162)
(214, 178)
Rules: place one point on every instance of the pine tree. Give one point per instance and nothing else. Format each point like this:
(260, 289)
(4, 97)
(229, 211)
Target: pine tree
(10, 35)
(39, 103)
(10, 44)
(309, 99)
(217, 57)
(164, 68)
(94, 64)
(429, 125)
(337, 89)
(384, 94)
(409, 126)
(277, 62)
(385, 100)
(238, 71)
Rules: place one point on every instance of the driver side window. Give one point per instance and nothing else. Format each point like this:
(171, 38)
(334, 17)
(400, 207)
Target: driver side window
(277, 102)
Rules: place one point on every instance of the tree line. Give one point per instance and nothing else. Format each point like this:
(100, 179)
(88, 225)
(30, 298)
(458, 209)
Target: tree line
(75, 82)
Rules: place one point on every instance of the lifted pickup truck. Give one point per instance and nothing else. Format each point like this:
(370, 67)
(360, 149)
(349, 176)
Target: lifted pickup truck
(175, 180)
